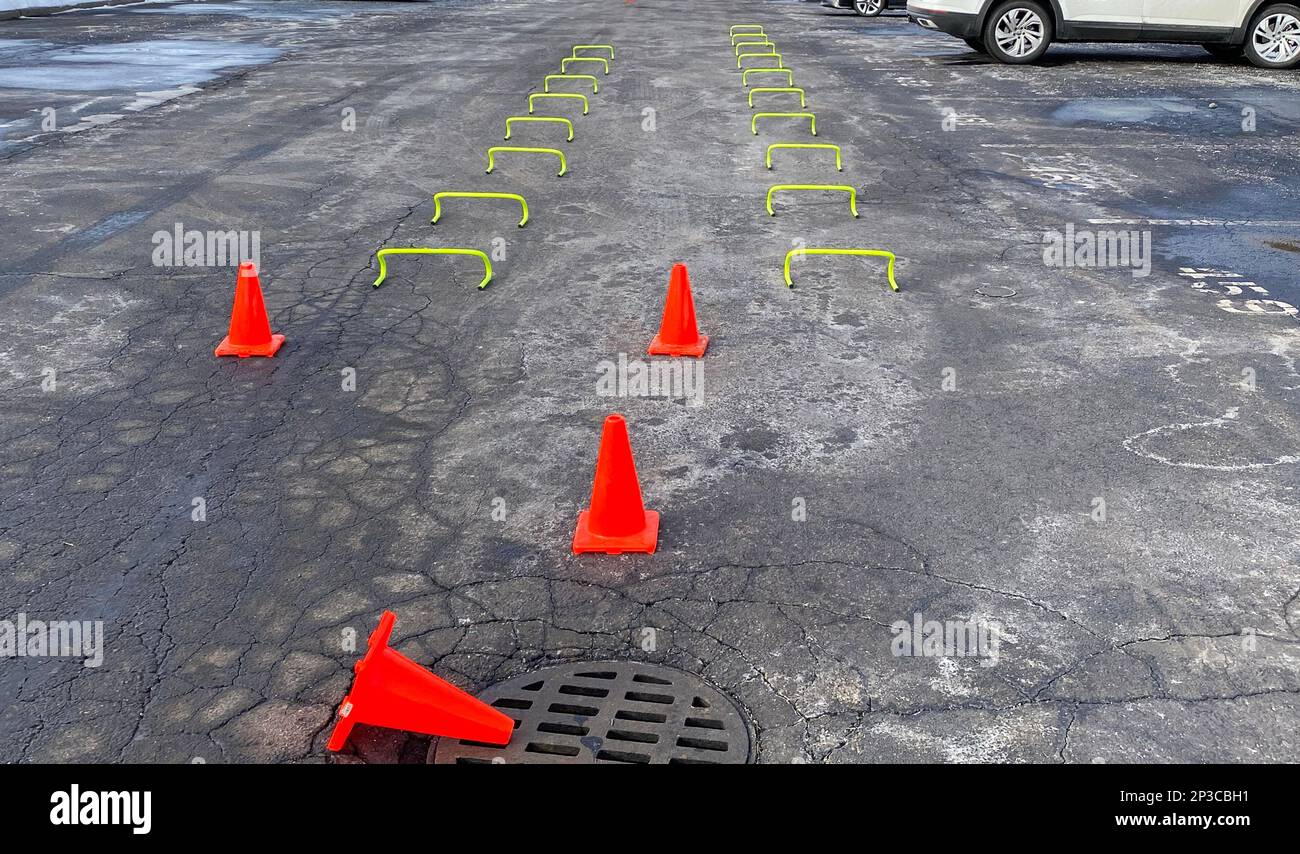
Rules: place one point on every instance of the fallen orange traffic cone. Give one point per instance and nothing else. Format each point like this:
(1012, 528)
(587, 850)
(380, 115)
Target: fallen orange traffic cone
(250, 331)
(392, 691)
(678, 334)
(617, 521)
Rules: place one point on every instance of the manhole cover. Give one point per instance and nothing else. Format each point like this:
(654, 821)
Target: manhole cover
(995, 291)
(609, 712)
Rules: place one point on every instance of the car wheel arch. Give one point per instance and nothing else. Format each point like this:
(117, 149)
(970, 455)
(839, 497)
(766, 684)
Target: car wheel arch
(1054, 7)
(1243, 33)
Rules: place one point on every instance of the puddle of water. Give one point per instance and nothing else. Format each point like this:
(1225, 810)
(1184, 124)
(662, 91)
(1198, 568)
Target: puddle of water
(1260, 245)
(1112, 110)
(1278, 200)
(14, 48)
(1273, 108)
(915, 33)
(132, 66)
(1245, 252)
(261, 11)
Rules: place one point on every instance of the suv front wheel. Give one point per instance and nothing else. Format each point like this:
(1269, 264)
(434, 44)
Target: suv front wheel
(1018, 32)
(1274, 38)
(869, 8)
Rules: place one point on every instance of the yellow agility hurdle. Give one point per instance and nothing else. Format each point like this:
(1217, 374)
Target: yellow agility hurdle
(492, 152)
(803, 101)
(564, 63)
(740, 45)
(383, 254)
(454, 194)
(838, 188)
(553, 119)
(779, 64)
(578, 47)
(839, 165)
(812, 120)
(788, 72)
(874, 253)
(751, 28)
(546, 81)
(532, 99)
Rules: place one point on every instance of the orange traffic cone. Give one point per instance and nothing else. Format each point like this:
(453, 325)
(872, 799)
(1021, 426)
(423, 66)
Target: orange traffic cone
(392, 691)
(678, 334)
(250, 331)
(617, 521)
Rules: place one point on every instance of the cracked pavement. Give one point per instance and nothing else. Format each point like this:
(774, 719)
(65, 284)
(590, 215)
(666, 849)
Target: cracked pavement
(1167, 631)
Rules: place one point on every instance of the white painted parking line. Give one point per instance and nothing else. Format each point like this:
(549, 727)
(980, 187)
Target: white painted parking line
(1218, 282)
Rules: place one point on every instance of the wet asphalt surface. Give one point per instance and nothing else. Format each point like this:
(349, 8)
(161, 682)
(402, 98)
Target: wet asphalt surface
(859, 456)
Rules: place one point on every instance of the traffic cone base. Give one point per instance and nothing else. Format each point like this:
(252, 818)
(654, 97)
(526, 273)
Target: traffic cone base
(225, 348)
(696, 349)
(645, 540)
(392, 691)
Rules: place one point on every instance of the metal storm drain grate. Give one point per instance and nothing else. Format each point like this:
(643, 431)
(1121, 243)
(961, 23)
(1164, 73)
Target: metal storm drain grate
(609, 712)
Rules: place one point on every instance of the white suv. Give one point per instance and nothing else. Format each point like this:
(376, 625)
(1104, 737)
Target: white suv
(1020, 31)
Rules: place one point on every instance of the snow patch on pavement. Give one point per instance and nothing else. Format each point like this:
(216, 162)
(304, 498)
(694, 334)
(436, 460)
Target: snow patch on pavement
(142, 66)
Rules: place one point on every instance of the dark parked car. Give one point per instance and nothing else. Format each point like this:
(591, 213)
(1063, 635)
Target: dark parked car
(867, 8)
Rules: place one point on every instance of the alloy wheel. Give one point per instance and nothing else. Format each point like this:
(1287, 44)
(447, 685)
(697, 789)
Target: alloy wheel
(1277, 38)
(1019, 32)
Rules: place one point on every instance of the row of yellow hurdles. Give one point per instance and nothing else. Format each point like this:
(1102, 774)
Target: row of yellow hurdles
(750, 41)
(574, 58)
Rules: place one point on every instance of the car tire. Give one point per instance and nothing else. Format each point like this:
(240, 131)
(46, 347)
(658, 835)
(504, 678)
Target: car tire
(869, 8)
(976, 44)
(1223, 51)
(1273, 38)
(1018, 32)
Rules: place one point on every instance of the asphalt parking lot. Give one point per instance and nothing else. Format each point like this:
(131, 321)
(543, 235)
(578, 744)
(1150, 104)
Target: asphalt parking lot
(1101, 464)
